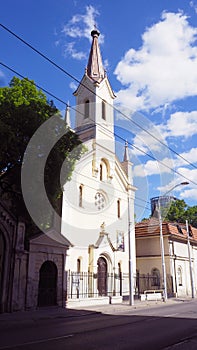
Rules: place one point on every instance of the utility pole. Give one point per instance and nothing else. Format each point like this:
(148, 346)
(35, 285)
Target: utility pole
(161, 239)
(190, 260)
(162, 253)
(131, 288)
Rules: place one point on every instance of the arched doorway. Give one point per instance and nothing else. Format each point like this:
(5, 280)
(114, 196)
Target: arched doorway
(47, 290)
(120, 277)
(2, 260)
(155, 277)
(102, 276)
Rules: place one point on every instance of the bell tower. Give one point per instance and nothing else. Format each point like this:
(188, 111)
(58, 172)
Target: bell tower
(94, 101)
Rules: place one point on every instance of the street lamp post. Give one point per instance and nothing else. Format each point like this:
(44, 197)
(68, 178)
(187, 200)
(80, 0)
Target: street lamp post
(131, 289)
(162, 243)
(190, 260)
(162, 253)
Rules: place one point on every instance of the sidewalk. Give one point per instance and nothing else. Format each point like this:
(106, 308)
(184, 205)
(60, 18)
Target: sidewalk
(30, 318)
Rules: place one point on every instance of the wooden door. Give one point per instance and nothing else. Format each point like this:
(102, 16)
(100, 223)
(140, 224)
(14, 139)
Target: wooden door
(102, 276)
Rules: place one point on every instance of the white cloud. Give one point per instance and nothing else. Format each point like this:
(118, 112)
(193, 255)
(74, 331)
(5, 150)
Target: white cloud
(188, 174)
(79, 27)
(73, 85)
(182, 124)
(106, 64)
(164, 68)
(193, 5)
(153, 138)
(190, 156)
(185, 192)
(150, 140)
(152, 167)
(2, 77)
(71, 51)
(189, 194)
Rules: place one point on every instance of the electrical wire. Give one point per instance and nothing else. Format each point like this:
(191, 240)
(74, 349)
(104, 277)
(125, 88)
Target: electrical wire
(115, 134)
(79, 82)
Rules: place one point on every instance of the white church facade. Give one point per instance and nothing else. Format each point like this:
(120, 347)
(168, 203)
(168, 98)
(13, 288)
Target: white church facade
(98, 202)
(93, 253)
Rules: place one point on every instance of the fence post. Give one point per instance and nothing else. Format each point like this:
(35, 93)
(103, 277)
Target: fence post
(138, 283)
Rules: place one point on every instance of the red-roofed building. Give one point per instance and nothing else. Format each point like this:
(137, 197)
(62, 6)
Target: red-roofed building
(176, 251)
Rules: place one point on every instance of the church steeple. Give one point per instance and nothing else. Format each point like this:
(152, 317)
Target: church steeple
(67, 115)
(126, 152)
(95, 69)
(94, 100)
(126, 164)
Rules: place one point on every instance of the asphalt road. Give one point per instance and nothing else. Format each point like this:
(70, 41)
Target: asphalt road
(173, 326)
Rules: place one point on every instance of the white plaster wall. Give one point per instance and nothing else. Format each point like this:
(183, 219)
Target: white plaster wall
(100, 92)
(81, 226)
(194, 265)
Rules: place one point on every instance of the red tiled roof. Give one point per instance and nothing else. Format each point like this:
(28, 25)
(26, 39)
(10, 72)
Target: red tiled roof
(150, 227)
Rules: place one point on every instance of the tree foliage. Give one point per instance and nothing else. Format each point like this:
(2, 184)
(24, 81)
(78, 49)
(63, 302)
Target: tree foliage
(179, 212)
(23, 109)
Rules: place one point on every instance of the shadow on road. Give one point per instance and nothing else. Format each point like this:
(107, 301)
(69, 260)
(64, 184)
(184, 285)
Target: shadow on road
(151, 328)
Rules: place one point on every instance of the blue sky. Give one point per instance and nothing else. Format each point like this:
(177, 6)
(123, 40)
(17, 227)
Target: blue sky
(149, 49)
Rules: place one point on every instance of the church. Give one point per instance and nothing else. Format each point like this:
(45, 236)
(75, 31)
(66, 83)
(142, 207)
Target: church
(91, 257)
(98, 202)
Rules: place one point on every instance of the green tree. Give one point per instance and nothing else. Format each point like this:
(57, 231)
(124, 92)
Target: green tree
(177, 211)
(191, 215)
(23, 109)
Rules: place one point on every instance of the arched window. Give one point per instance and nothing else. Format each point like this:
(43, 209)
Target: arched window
(190, 231)
(78, 276)
(80, 195)
(104, 170)
(155, 277)
(120, 241)
(118, 208)
(78, 265)
(179, 276)
(101, 172)
(87, 109)
(103, 110)
(120, 276)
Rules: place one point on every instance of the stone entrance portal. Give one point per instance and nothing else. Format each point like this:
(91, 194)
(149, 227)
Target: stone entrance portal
(47, 290)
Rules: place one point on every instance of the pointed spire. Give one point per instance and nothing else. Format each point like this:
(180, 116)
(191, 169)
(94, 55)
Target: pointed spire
(95, 68)
(126, 152)
(67, 115)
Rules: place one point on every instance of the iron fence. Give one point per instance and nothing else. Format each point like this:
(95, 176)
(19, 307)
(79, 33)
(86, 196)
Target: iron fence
(146, 281)
(90, 285)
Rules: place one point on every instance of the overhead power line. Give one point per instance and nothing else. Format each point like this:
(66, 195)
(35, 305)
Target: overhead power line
(79, 82)
(115, 134)
(38, 86)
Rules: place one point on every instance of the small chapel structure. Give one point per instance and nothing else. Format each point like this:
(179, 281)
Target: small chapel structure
(98, 202)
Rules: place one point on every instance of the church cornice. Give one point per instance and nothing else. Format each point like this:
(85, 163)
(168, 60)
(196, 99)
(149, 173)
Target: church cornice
(87, 82)
(102, 235)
